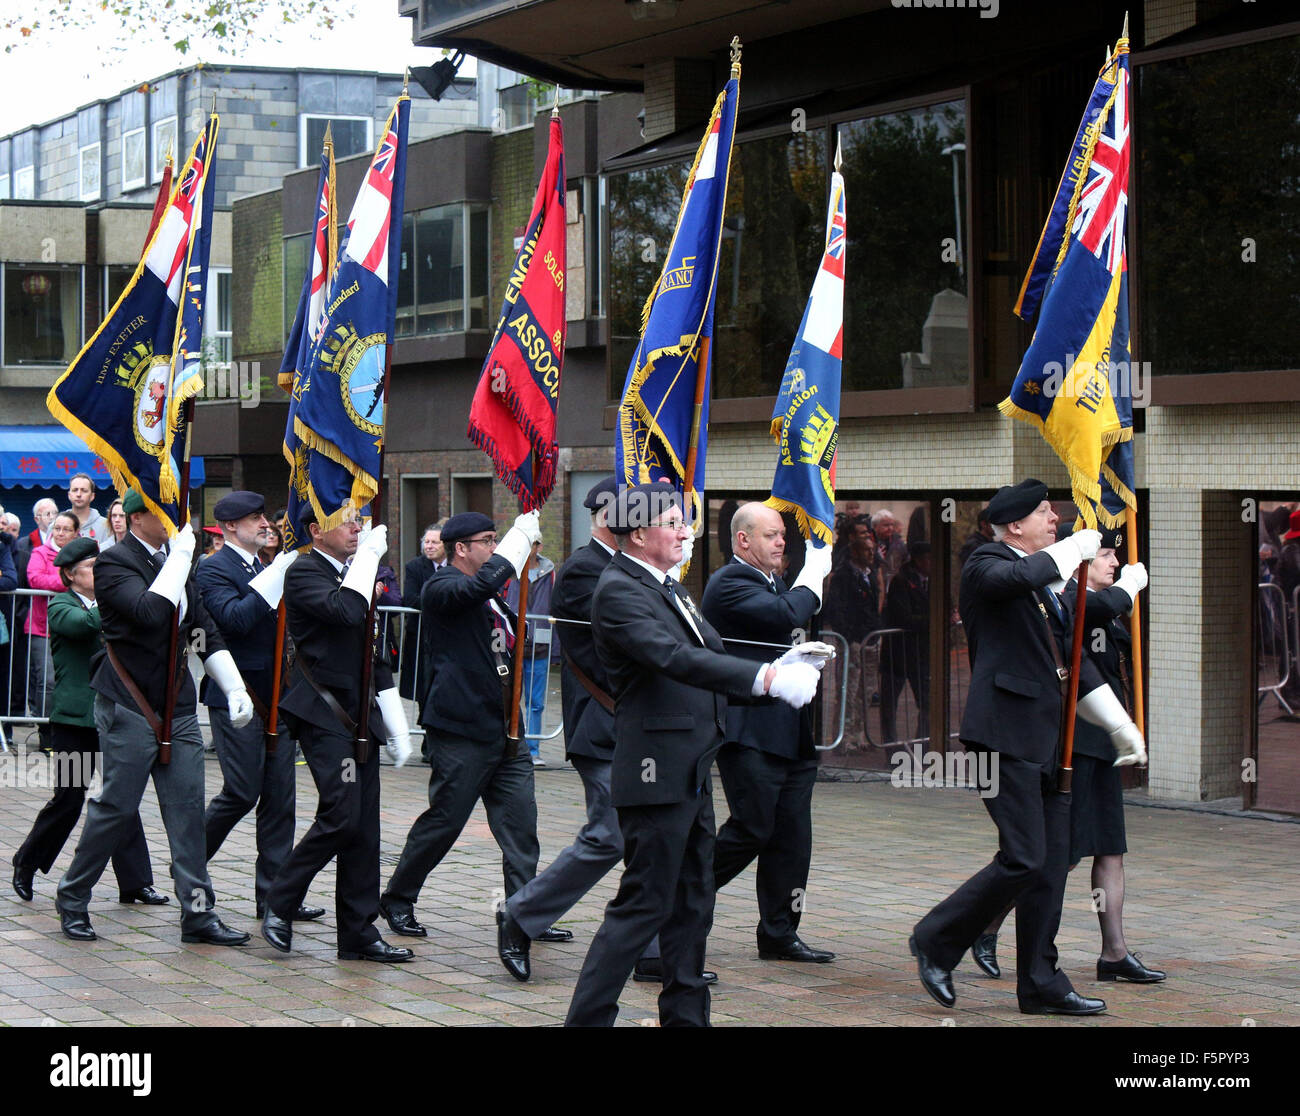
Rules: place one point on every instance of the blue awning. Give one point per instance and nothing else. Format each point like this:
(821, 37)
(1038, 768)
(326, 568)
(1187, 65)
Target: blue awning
(46, 456)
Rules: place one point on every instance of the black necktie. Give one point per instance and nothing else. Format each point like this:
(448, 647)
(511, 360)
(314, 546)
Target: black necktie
(1055, 603)
(159, 558)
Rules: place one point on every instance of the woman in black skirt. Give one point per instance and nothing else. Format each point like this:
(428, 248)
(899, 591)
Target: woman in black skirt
(1097, 806)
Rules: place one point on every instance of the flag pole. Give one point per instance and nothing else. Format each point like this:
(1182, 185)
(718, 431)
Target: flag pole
(1065, 778)
(521, 627)
(368, 643)
(173, 639)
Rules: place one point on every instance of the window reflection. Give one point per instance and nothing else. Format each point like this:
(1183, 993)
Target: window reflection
(42, 314)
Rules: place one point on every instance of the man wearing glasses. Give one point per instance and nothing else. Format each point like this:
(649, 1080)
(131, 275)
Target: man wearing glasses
(670, 679)
(467, 639)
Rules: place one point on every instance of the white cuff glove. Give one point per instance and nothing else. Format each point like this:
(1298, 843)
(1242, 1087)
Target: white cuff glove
(688, 548)
(399, 733)
(269, 584)
(1082, 546)
(816, 568)
(517, 544)
(1132, 579)
(1102, 708)
(171, 579)
(813, 653)
(220, 667)
(795, 683)
(371, 546)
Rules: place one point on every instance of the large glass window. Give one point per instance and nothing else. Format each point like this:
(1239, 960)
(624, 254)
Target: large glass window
(116, 277)
(297, 251)
(1219, 208)
(216, 318)
(772, 240)
(906, 322)
(164, 141)
(134, 173)
(89, 171)
(352, 135)
(478, 268)
(42, 314)
(442, 285)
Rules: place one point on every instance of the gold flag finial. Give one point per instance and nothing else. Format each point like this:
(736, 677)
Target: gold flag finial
(329, 134)
(1124, 34)
(555, 107)
(168, 157)
(839, 153)
(735, 56)
(406, 78)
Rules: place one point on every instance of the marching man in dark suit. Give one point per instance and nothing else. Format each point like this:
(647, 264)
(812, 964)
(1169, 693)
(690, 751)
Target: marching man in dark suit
(589, 745)
(768, 763)
(467, 635)
(241, 596)
(668, 675)
(74, 640)
(1018, 640)
(139, 586)
(327, 603)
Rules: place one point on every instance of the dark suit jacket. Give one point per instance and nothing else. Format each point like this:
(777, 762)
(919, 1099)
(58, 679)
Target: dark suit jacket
(138, 625)
(1014, 702)
(588, 728)
(245, 619)
(740, 604)
(464, 698)
(328, 626)
(1106, 641)
(669, 708)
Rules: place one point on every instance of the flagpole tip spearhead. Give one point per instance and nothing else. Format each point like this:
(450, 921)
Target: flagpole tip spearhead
(555, 106)
(406, 80)
(839, 152)
(1124, 34)
(735, 56)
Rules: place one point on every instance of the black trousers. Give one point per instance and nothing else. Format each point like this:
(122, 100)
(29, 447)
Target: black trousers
(251, 778)
(463, 772)
(76, 749)
(667, 888)
(1029, 870)
(346, 827)
(770, 798)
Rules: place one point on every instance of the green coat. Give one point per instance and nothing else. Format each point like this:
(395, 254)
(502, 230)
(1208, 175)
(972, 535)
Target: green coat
(74, 639)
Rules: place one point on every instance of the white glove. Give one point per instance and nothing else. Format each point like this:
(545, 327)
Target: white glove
(517, 544)
(813, 653)
(794, 683)
(220, 667)
(1082, 546)
(371, 546)
(1102, 708)
(816, 568)
(171, 579)
(1132, 579)
(399, 733)
(1129, 746)
(269, 584)
(688, 548)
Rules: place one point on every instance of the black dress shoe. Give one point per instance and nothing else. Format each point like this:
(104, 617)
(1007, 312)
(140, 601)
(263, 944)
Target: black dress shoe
(303, 913)
(76, 925)
(1071, 1004)
(555, 934)
(277, 931)
(936, 981)
(378, 950)
(985, 955)
(795, 950)
(217, 934)
(651, 971)
(512, 946)
(146, 895)
(402, 921)
(23, 878)
(1128, 969)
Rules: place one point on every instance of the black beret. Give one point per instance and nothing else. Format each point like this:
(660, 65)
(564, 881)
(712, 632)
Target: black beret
(603, 492)
(465, 524)
(133, 502)
(237, 505)
(639, 505)
(76, 551)
(1013, 502)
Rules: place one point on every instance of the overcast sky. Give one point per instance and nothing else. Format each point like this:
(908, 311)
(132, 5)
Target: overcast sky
(44, 79)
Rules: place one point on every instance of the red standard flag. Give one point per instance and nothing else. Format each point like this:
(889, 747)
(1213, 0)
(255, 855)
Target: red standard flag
(512, 418)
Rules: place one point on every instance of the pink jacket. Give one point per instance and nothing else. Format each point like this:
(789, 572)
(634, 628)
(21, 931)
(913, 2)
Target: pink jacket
(41, 574)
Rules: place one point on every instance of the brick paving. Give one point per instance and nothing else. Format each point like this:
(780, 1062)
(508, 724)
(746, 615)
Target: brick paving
(1212, 898)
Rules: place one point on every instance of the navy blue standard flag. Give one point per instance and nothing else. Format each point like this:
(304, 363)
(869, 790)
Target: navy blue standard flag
(805, 421)
(664, 414)
(339, 395)
(122, 393)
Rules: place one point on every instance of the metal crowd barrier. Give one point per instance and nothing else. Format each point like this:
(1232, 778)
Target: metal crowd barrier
(17, 652)
(1278, 639)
